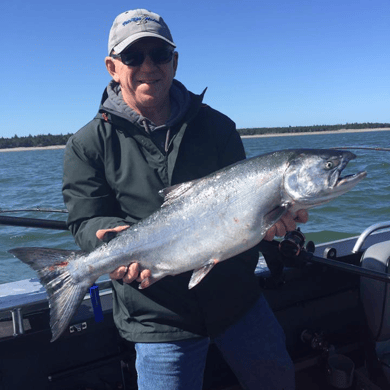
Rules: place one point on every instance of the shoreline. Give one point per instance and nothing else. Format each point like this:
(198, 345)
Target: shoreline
(341, 131)
(52, 147)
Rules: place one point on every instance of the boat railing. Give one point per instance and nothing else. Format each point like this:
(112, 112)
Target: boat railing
(363, 236)
(23, 296)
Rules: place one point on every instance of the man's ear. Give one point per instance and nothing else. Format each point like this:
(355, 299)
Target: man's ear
(111, 68)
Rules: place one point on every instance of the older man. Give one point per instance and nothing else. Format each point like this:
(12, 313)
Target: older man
(151, 133)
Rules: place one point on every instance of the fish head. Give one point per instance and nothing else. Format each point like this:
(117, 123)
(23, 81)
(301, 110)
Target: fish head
(313, 176)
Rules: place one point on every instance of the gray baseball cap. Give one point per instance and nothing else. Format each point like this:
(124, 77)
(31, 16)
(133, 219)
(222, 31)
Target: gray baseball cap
(130, 26)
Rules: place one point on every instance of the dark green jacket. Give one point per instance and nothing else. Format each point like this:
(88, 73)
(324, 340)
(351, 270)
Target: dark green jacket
(112, 174)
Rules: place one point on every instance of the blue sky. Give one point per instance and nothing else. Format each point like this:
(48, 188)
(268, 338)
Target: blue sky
(265, 63)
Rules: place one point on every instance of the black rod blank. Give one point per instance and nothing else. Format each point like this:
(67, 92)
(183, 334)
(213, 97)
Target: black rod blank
(33, 222)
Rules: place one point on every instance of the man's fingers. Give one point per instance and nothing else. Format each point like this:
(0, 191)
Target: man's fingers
(302, 216)
(144, 275)
(127, 273)
(119, 273)
(286, 224)
(269, 236)
(281, 228)
(102, 233)
(132, 273)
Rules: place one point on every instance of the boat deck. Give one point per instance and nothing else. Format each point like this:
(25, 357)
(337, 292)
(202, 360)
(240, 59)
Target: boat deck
(91, 355)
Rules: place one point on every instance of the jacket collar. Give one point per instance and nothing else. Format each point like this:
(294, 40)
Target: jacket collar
(113, 109)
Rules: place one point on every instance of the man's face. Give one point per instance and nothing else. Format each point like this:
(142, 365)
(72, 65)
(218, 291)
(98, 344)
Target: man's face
(144, 87)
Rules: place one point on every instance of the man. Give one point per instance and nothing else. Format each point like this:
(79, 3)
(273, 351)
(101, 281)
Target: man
(151, 133)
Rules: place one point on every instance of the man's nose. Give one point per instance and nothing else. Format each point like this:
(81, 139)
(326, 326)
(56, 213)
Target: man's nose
(148, 63)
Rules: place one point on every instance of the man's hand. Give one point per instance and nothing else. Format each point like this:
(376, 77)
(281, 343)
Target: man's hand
(101, 234)
(130, 273)
(286, 224)
(127, 273)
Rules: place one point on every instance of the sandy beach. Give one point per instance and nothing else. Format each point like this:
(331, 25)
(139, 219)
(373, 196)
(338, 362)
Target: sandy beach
(35, 148)
(244, 136)
(317, 132)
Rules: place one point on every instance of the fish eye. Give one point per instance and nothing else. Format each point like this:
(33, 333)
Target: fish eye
(329, 165)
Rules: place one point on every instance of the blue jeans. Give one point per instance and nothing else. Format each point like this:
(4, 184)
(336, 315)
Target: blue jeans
(254, 348)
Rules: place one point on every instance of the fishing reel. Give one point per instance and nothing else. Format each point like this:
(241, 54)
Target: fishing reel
(293, 243)
(289, 252)
(292, 249)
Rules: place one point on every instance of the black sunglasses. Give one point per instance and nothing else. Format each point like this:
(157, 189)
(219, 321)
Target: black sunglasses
(161, 55)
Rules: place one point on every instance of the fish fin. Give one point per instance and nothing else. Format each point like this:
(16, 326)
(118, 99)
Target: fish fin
(38, 258)
(174, 192)
(64, 294)
(275, 214)
(200, 273)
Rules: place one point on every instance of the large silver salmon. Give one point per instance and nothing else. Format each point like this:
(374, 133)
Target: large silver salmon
(200, 224)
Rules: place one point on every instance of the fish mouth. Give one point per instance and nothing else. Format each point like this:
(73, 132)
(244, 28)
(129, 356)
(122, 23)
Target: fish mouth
(346, 182)
(351, 180)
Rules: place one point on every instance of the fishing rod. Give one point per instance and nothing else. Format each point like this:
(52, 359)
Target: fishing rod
(292, 248)
(33, 222)
(362, 147)
(39, 209)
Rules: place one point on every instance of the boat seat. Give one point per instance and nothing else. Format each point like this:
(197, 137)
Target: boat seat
(375, 297)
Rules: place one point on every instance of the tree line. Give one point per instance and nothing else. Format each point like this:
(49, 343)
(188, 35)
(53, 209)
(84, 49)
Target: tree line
(34, 141)
(51, 140)
(310, 129)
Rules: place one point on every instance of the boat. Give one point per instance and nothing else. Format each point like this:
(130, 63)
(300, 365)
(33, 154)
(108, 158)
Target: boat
(331, 300)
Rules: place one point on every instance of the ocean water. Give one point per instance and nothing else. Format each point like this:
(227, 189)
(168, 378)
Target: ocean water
(31, 179)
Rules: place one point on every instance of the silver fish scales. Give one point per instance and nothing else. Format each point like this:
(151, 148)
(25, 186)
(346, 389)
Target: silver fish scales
(200, 224)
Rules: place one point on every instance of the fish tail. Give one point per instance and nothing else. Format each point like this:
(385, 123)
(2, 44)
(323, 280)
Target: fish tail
(64, 293)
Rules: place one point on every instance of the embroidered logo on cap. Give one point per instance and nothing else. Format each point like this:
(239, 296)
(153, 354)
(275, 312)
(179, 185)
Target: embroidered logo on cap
(140, 20)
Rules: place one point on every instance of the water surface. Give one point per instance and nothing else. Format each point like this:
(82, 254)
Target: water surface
(31, 179)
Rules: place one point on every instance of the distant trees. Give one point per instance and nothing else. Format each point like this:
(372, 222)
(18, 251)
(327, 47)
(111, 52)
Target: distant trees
(33, 141)
(308, 129)
(50, 140)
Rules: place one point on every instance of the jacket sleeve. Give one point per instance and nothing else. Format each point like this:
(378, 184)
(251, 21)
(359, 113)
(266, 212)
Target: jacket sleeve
(230, 148)
(233, 148)
(89, 199)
